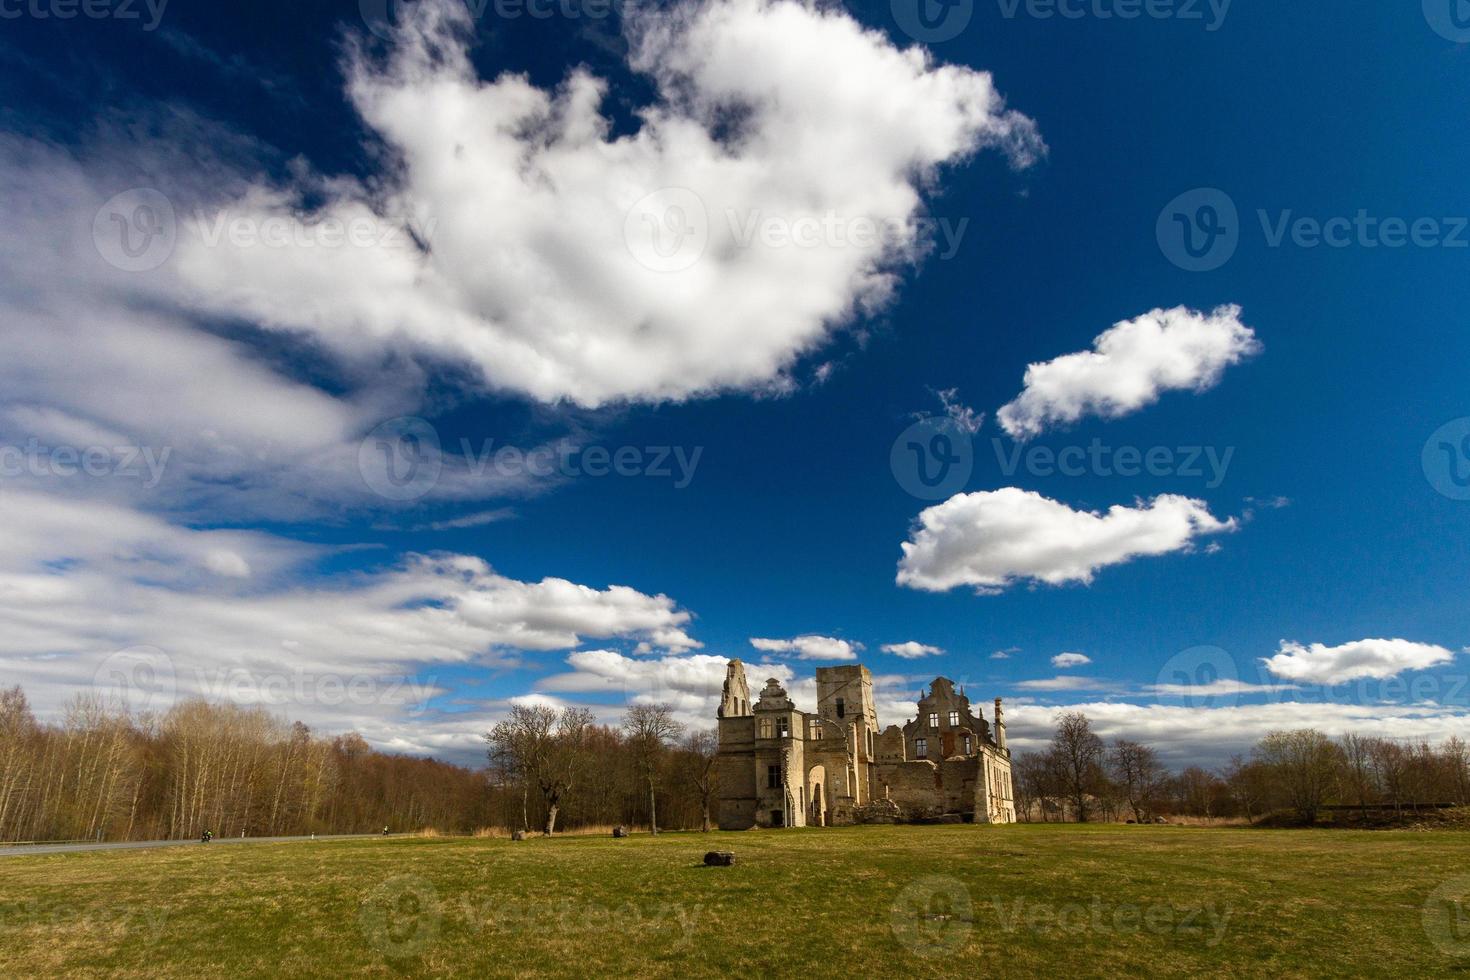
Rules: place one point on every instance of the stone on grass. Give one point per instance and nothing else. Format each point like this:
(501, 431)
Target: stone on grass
(719, 859)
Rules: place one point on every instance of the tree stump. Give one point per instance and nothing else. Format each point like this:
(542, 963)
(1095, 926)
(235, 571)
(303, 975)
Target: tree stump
(719, 859)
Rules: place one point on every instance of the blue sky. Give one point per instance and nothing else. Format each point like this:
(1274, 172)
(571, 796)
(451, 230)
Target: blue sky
(504, 290)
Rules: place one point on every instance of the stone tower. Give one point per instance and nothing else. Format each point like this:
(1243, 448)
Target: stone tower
(1000, 727)
(735, 698)
(850, 720)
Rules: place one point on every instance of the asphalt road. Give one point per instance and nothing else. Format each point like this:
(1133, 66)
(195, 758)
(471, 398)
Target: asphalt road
(17, 850)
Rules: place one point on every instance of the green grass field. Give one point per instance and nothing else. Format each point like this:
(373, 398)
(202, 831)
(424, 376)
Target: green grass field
(1030, 900)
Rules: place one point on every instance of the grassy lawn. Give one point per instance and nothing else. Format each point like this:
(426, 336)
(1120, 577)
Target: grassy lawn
(922, 901)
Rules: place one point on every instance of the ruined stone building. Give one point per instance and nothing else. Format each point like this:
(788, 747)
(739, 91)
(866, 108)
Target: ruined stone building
(780, 767)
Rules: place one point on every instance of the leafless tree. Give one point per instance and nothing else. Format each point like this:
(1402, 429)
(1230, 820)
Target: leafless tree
(1136, 770)
(701, 749)
(1078, 753)
(1302, 763)
(649, 729)
(547, 747)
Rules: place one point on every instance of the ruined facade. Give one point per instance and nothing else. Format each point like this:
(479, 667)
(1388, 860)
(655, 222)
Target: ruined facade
(782, 767)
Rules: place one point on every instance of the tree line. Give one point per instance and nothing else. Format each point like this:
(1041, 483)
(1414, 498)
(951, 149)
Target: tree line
(102, 772)
(1299, 772)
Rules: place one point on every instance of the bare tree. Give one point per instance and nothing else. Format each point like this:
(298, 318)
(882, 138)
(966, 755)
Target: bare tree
(1391, 769)
(1078, 753)
(1246, 782)
(1457, 764)
(701, 749)
(1302, 763)
(547, 747)
(1136, 769)
(649, 729)
(1357, 768)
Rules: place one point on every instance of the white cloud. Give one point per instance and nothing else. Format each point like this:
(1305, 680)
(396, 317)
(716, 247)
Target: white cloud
(1069, 682)
(101, 360)
(1209, 736)
(1005, 654)
(912, 650)
(992, 539)
(1129, 366)
(81, 581)
(1063, 661)
(810, 647)
(959, 413)
(692, 684)
(1217, 688)
(1321, 664)
(227, 563)
(765, 111)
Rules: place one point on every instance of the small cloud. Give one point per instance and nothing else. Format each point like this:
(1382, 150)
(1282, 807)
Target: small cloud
(809, 647)
(911, 650)
(1069, 683)
(479, 519)
(1005, 654)
(1273, 503)
(227, 564)
(1217, 688)
(1318, 663)
(959, 413)
(1063, 661)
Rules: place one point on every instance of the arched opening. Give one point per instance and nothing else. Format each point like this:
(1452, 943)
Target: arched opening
(817, 812)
